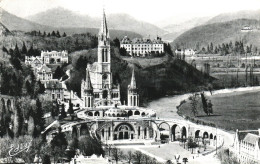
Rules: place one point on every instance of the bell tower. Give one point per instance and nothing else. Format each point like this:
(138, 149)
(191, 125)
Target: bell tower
(87, 91)
(133, 96)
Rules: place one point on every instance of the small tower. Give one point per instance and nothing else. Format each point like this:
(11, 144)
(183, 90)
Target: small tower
(133, 96)
(87, 91)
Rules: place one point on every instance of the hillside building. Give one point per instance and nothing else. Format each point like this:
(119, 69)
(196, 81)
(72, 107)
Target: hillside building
(246, 29)
(246, 146)
(142, 46)
(54, 90)
(43, 73)
(54, 57)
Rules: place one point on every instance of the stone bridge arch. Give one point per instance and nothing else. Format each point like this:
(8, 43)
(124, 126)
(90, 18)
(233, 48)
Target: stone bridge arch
(7, 103)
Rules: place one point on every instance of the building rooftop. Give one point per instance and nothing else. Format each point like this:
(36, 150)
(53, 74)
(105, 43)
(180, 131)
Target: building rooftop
(126, 40)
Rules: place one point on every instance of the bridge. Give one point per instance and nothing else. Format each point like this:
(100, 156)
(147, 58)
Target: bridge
(142, 129)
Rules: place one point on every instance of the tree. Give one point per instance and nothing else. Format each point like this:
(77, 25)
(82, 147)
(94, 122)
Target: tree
(122, 51)
(31, 126)
(204, 103)
(58, 73)
(46, 159)
(138, 156)
(210, 108)
(64, 34)
(17, 53)
(116, 42)
(24, 49)
(129, 157)
(70, 110)
(18, 121)
(89, 146)
(59, 144)
(38, 117)
(44, 34)
(53, 33)
(191, 144)
(63, 113)
(194, 103)
(116, 154)
(58, 34)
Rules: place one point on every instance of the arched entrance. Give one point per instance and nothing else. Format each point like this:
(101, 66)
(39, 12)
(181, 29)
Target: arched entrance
(124, 132)
(105, 94)
(130, 113)
(183, 132)
(211, 136)
(197, 134)
(9, 107)
(84, 130)
(137, 112)
(176, 133)
(74, 132)
(90, 114)
(164, 129)
(205, 135)
(96, 113)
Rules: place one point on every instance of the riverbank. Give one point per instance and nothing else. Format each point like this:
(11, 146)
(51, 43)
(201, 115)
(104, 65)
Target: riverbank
(232, 109)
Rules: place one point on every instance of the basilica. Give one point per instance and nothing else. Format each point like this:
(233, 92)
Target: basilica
(106, 117)
(98, 88)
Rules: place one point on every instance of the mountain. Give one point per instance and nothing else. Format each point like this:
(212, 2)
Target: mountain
(4, 31)
(177, 29)
(245, 14)
(60, 17)
(14, 23)
(219, 33)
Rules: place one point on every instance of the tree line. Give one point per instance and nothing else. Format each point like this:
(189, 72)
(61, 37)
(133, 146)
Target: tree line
(228, 48)
(49, 34)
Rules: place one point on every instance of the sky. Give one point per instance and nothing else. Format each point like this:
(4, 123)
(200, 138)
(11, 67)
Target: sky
(146, 10)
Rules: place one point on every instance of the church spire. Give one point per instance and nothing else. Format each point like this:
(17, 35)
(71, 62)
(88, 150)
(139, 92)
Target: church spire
(133, 82)
(103, 33)
(88, 85)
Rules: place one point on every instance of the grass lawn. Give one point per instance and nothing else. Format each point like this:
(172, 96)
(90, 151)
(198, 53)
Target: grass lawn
(146, 62)
(231, 111)
(167, 151)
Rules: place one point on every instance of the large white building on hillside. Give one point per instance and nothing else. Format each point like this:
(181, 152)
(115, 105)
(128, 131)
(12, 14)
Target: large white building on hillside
(52, 57)
(142, 46)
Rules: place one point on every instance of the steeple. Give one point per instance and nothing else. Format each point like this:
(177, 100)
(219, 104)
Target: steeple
(88, 85)
(133, 96)
(103, 33)
(133, 82)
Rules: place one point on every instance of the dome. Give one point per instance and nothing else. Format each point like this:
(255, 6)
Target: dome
(115, 112)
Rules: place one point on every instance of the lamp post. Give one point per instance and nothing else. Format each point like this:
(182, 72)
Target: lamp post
(216, 142)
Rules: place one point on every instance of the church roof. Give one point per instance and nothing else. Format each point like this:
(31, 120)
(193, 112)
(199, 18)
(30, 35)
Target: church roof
(133, 82)
(251, 138)
(88, 85)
